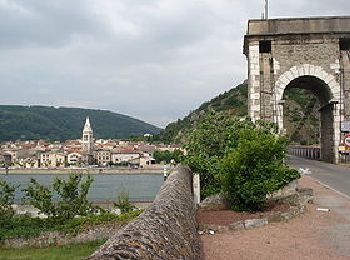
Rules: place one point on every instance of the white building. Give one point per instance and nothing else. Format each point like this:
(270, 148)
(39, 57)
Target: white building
(74, 158)
(120, 158)
(52, 160)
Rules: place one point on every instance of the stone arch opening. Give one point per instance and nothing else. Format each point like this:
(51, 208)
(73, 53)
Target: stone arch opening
(326, 107)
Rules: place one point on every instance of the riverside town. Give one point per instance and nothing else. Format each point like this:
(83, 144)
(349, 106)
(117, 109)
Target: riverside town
(81, 153)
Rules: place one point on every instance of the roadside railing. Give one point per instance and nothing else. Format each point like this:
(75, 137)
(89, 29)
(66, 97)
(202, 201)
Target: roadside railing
(312, 152)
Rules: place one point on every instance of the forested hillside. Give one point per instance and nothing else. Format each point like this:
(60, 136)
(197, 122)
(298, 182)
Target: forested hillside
(234, 101)
(43, 122)
(301, 118)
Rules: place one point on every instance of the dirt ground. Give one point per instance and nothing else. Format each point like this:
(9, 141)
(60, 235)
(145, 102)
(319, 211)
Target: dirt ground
(313, 235)
(226, 217)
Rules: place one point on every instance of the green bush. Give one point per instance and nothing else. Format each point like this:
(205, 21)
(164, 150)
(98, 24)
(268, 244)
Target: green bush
(71, 197)
(61, 202)
(25, 226)
(254, 169)
(167, 156)
(214, 136)
(124, 203)
(7, 194)
(245, 160)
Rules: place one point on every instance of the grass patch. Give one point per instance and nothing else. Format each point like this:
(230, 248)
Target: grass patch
(71, 252)
(24, 226)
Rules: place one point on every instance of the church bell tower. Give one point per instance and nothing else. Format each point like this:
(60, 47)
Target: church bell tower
(88, 139)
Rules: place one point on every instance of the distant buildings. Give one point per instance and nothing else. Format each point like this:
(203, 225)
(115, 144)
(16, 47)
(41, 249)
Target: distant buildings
(79, 153)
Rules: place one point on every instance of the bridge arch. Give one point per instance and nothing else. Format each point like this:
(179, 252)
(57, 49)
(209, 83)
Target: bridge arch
(305, 70)
(325, 87)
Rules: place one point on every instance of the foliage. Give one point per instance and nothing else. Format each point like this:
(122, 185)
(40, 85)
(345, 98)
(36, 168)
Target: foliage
(44, 122)
(71, 197)
(61, 202)
(167, 156)
(236, 156)
(301, 116)
(25, 226)
(41, 197)
(7, 194)
(214, 136)
(124, 203)
(77, 224)
(234, 101)
(72, 252)
(254, 169)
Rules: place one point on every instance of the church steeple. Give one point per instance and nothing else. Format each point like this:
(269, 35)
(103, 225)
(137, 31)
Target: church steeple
(87, 126)
(88, 139)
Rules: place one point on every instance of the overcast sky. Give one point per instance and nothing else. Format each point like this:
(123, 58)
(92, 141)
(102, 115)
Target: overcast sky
(152, 59)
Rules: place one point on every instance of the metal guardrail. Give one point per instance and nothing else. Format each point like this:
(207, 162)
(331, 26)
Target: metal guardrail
(312, 152)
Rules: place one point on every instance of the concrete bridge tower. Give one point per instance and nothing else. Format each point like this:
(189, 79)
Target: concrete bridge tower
(306, 53)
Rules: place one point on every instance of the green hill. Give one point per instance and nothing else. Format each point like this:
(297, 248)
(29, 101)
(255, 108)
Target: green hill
(234, 100)
(44, 122)
(300, 118)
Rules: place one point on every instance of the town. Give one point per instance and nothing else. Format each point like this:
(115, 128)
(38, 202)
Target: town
(80, 153)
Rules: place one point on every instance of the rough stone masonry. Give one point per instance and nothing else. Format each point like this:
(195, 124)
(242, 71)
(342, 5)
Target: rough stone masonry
(166, 230)
(307, 53)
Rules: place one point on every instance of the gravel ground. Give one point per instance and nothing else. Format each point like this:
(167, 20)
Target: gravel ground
(226, 217)
(313, 235)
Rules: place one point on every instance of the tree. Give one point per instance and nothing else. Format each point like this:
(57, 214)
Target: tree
(166, 156)
(71, 197)
(255, 168)
(245, 160)
(215, 135)
(7, 195)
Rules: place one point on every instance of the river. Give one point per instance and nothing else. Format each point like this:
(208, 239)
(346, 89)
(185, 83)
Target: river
(105, 188)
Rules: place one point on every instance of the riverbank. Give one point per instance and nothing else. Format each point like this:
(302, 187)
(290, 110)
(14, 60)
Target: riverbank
(92, 171)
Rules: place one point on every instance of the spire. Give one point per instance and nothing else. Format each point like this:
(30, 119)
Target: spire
(87, 126)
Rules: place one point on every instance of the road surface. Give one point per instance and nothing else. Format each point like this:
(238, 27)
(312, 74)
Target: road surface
(335, 176)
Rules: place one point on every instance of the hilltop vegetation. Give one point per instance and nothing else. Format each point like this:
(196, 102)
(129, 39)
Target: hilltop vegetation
(234, 101)
(44, 122)
(301, 118)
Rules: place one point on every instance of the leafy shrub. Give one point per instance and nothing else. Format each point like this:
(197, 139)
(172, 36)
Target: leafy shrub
(124, 203)
(255, 168)
(7, 194)
(24, 226)
(41, 197)
(214, 136)
(167, 156)
(241, 158)
(71, 197)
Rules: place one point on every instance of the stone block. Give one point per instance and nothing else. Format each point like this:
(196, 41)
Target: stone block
(253, 223)
(237, 225)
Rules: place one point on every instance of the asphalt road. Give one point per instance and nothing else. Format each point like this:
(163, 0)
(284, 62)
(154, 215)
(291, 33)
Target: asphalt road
(335, 176)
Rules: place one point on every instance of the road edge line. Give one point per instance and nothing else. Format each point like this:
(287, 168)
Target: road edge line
(330, 188)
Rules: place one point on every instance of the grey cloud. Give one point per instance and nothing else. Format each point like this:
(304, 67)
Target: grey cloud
(155, 59)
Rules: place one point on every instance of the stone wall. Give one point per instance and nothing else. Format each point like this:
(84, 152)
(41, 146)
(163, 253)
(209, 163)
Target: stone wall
(166, 230)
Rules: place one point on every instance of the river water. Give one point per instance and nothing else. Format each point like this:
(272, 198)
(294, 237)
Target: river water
(105, 188)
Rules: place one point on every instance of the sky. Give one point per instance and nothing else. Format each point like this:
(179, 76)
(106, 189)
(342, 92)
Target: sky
(155, 60)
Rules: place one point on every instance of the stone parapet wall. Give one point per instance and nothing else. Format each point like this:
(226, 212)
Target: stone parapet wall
(166, 230)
